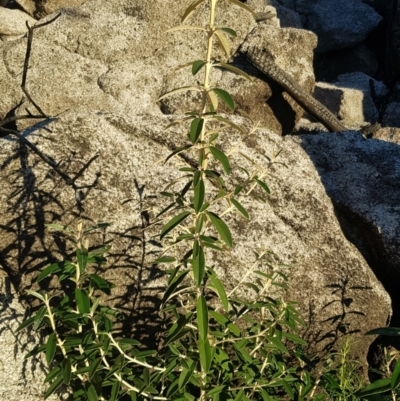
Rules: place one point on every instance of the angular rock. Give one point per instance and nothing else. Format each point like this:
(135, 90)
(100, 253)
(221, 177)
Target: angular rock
(362, 178)
(340, 24)
(350, 98)
(21, 379)
(13, 23)
(336, 290)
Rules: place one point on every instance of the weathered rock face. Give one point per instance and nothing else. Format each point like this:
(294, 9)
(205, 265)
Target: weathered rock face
(102, 67)
(362, 178)
(336, 290)
(22, 379)
(13, 23)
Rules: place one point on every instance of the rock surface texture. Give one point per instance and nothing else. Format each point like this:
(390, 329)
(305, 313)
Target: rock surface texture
(98, 72)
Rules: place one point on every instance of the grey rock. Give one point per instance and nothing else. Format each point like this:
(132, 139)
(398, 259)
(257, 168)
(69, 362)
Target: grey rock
(13, 23)
(341, 24)
(391, 115)
(297, 223)
(362, 178)
(22, 379)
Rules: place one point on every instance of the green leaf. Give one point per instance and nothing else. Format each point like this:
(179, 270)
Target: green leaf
(396, 376)
(263, 185)
(133, 395)
(82, 300)
(98, 282)
(115, 390)
(198, 267)
(205, 352)
(26, 323)
(51, 346)
(197, 66)
(38, 318)
(229, 31)
(196, 127)
(94, 366)
(189, 11)
(164, 259)
(294, 338)
(56, 371)
(202, 317)
(186, 374)
(82, 257)
(277, 343)
(223, 42)
(239, 395)
(91, 393)
(385, 331)
(240, 208)
(178, 90)
(222, 158)
(199, 192)
(173, 223)
(215, 391)
(234, 69)
(225, 97)
(377, 387)
(220, 289)
(66, 370)
(35, 294)
(53, 268)
(178, 150)
(221, 227)
(54, 386)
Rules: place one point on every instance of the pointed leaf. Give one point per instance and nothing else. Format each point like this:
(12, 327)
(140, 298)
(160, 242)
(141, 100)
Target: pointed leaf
(178, 150)
(91, 393)
(212, 99)
(38, 318)
(54, 386)
(179, 90)
(186, 27)
(173, 223)
(220, 291)
(189, 11)
(66, 370)
(82, 301)
(240, 208)
(236, 70)
(222, 158)
(198, 199)
(164, 259)
(26, 323)
(82, 257)
(385, 331)
(53, 268)
(51, 346)
(377, 387)
(115, 390)
(223, 42)
(225, 97)
(197, 66)
(205, 354)
(94, 367)
(198, 267)
(221, 227)
(35, 294)
(195, 129)
(263, 185)
(186, 374)
(229, 31)
(202, 317)
(396, 376)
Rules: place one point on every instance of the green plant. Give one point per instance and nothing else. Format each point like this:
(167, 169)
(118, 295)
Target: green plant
(388, 387)
(342, 375)
(219, 344)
